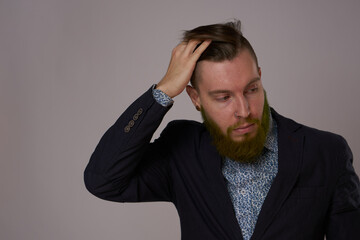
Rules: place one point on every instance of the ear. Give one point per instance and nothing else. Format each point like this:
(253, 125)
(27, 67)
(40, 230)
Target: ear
(194, 96)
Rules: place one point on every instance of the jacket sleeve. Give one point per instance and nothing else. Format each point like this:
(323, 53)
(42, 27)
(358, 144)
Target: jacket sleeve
(344, 214)
(125, 166)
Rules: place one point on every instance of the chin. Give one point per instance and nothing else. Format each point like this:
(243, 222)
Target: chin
(242, 138)
(246, 136)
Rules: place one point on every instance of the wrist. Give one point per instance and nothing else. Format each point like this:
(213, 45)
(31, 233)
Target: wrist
(164, 89)
(161, 97)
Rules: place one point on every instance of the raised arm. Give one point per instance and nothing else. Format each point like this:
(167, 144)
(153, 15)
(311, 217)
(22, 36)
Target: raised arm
(125, 166)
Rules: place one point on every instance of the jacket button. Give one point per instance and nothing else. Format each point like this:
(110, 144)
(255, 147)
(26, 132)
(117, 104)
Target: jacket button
(131, 123)
(140, 111)
(127, 129)
(136, 116)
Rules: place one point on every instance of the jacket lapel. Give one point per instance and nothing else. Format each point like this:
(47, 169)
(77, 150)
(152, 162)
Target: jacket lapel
(221, 202)
(290, 143)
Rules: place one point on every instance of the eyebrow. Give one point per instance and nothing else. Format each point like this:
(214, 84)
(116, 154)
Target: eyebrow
(220, 91)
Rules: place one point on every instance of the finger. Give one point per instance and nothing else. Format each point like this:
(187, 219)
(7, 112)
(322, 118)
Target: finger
(183, 44)
(191, 46)
(180, 46)
(201, 48)
(178, 50)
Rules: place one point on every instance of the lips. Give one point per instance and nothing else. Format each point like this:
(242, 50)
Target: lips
(244, 129)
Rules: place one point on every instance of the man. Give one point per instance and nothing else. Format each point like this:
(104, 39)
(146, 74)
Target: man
(246, 172)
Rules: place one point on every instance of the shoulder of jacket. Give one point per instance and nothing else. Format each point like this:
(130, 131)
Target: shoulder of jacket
(316, 135)
(180, 133)
(184, 127)
(323, 135)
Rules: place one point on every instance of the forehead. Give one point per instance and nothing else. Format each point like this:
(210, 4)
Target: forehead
(237, 72)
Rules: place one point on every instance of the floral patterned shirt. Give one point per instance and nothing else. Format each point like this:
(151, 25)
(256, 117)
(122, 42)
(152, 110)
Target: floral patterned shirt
(248, 184)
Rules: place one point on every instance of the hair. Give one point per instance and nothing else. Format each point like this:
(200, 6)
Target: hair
(227, 41)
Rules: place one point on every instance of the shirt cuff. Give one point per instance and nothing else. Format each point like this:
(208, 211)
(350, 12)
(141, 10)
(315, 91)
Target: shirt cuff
(162, 98)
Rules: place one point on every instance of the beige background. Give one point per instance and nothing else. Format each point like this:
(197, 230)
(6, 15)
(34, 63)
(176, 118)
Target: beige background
(69, 68)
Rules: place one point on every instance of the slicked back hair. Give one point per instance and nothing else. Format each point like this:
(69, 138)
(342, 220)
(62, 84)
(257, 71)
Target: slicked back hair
(227, 42)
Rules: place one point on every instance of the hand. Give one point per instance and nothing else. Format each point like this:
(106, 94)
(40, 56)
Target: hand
(181, 67)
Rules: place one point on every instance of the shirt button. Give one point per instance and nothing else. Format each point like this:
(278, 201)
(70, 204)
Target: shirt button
(243, 192)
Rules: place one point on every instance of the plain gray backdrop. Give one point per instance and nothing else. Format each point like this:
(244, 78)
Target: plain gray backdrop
(69, 68)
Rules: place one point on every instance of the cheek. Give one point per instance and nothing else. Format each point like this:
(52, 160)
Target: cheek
(257, 107)
(222, 116)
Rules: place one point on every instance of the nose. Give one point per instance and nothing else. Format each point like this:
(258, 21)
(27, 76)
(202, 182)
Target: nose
(242, 109)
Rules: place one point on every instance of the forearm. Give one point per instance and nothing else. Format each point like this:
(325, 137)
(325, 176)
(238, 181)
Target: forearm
(121, 149)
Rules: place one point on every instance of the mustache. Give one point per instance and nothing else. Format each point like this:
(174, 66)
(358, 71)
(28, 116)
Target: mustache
(242, 122)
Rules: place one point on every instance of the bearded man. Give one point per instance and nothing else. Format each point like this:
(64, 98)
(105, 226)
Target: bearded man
(246, 172)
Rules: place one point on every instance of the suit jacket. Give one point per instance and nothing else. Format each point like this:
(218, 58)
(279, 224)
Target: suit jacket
(315, 193)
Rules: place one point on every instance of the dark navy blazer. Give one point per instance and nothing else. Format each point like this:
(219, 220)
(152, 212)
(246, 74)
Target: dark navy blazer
(315, 193)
